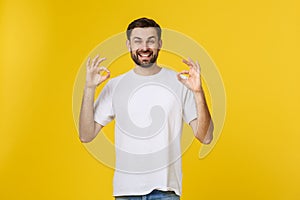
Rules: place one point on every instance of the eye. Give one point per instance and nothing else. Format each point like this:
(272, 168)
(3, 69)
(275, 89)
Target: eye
(137, 41)
(152, 41)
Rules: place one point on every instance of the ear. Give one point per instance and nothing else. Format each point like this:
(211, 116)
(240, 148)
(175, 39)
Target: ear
(159, 44)
(128, 45)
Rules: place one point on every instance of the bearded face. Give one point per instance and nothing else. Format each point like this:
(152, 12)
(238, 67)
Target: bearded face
(144, 46)
(144, 58)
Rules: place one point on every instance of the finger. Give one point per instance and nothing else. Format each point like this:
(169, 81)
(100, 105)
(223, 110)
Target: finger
(106, 76)
(103, 78)
(102, 59)
(186, 62)
(184, 72)
(190, 59)
(193, 64)
(181, 78)
(198, 66)
(189, 62)
(104, 69)
(99, 61)
(94, 60)
(88, 62)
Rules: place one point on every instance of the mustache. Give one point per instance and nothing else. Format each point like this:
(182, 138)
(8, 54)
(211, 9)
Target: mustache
(144, 51)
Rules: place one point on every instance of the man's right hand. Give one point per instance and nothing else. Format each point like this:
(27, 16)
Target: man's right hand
(93, 76)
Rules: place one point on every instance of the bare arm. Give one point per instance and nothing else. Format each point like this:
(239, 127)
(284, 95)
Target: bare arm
(202, 126)
(88, 128)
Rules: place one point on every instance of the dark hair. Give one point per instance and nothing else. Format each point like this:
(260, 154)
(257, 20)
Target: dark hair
(143, 23)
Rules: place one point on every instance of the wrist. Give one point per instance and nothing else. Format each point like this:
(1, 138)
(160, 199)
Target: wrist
(198, 91)
(90, 87)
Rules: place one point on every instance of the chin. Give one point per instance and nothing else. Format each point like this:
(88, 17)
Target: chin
(146, 65)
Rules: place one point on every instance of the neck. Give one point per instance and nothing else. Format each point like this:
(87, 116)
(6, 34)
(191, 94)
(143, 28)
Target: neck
(154, 69)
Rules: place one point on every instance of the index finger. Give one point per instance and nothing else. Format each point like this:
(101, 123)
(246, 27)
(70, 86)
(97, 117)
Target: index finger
(187, 62)
(104, 69)
(99, 61)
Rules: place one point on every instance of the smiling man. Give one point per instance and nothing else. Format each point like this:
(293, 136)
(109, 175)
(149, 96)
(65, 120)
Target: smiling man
(149, 104)
(144, 55)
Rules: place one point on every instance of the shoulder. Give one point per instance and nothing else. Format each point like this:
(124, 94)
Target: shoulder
(170, 75)
(169, 71)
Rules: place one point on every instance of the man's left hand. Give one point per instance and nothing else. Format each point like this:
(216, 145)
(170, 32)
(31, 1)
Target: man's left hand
(191, 78)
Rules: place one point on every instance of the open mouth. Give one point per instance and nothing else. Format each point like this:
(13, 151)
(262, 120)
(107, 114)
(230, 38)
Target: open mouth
(144, 54)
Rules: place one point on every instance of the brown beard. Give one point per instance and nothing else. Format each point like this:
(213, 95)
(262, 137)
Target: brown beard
(135, 58)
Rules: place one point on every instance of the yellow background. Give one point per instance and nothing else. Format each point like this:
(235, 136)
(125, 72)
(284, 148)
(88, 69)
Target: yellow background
(255, 45)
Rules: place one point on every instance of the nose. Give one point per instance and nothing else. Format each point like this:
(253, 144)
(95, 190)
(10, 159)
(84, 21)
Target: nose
(144, 46)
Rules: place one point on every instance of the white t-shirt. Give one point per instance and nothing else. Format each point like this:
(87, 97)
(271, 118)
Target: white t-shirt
(149, 112)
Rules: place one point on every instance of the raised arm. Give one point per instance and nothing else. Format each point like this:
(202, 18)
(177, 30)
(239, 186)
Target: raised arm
(202, 126)
(88, 128)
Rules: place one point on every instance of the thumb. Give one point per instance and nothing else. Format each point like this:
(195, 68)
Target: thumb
(182, 78)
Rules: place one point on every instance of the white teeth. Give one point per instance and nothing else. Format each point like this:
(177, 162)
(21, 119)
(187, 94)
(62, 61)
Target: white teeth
(144, 54)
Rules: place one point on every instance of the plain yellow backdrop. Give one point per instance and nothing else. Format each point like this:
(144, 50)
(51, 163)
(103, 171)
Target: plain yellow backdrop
(255, 45)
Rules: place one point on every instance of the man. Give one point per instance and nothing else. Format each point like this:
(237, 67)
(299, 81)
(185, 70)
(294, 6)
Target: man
(149, 104)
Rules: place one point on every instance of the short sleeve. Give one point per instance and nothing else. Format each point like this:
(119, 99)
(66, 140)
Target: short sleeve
(103, 109)
(189, 107)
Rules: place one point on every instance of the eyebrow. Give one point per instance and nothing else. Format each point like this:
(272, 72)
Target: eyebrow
(141, 38)
(151, 37)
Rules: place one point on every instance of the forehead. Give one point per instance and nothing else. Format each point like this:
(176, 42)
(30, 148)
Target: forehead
(144, 32)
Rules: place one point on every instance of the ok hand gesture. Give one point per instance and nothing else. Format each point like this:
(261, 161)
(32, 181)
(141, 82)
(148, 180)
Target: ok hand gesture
(193, 80)
(93, 76)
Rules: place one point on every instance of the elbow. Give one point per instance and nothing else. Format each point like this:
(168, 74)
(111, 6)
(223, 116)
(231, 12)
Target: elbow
(205, 140)
(87, 135)
(84, 138)
(208, 137)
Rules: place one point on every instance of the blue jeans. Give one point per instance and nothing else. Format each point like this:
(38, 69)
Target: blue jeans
(154, 195)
